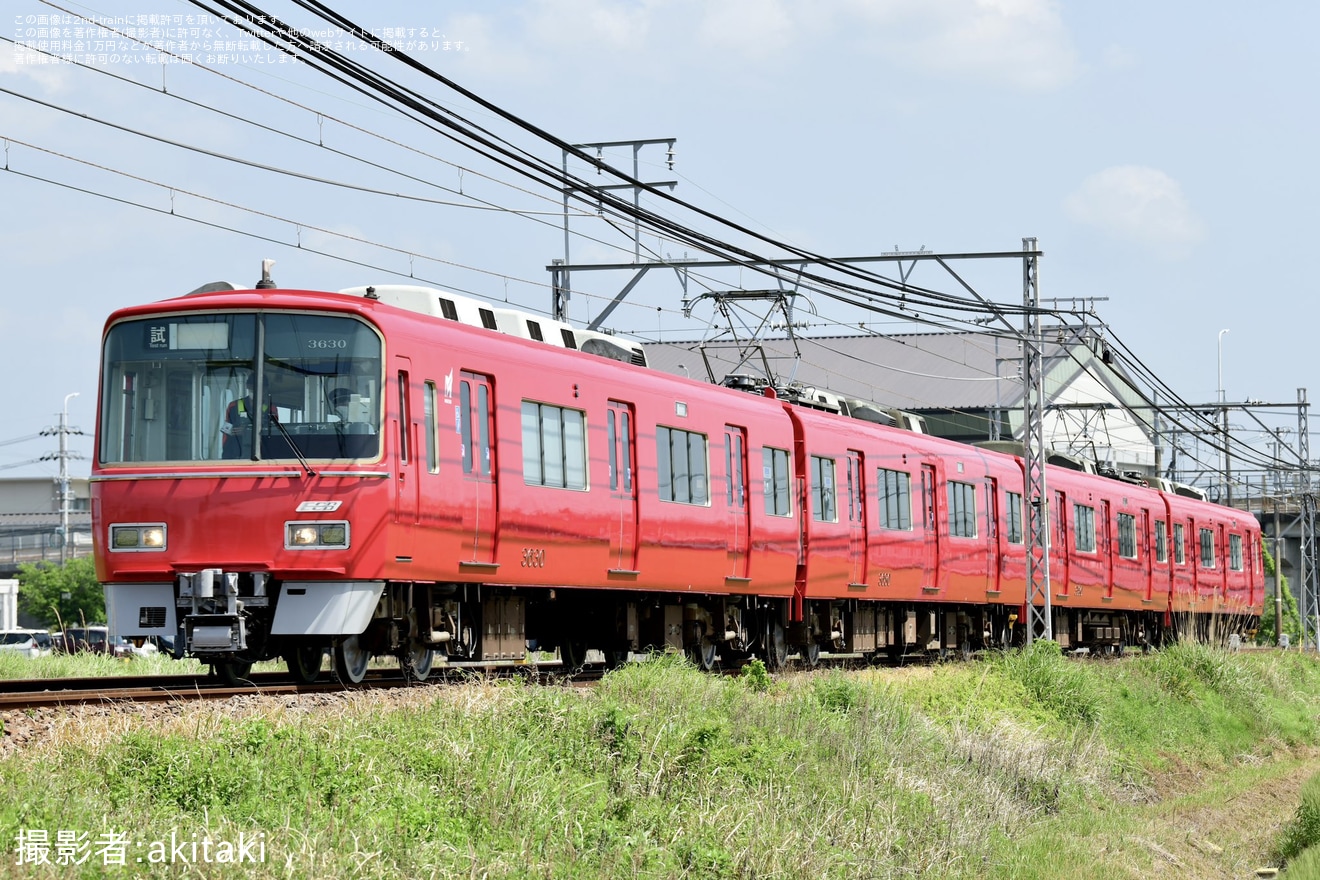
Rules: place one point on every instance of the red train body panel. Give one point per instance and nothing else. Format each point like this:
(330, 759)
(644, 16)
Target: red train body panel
(484, 492)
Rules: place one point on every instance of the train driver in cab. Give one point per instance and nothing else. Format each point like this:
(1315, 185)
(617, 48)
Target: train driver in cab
(237, 426)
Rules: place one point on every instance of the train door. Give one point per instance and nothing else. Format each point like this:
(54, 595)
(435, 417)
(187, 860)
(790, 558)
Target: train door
(476, 428)
(992, 534)
(1061, 551)
(1147, 563)
(856, 501)
(739, 526)
(406, 482)
(1107, 547)
(1221, 560)
(931, 548)
(619, 419)
(1194, 559)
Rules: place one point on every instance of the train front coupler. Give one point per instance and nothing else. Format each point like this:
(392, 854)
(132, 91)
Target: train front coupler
(215, 609)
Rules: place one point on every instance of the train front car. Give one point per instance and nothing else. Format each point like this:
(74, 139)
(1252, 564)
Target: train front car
(239, 490)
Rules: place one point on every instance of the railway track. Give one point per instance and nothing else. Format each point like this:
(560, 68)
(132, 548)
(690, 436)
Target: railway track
(19, 694)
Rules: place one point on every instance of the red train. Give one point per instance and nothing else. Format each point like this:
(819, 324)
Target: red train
(279, 472)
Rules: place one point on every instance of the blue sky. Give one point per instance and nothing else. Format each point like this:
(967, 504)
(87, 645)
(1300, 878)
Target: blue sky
(1162, 154)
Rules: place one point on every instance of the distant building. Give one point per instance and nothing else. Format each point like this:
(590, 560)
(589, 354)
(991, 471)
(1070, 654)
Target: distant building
(8, 604)
(30, 521)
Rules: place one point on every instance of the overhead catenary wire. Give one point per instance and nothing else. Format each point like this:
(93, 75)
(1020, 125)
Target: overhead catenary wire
(831, 284)
(544, 168)
(454, 126)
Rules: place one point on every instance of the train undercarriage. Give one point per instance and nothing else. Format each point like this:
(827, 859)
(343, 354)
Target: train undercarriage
(232, 620)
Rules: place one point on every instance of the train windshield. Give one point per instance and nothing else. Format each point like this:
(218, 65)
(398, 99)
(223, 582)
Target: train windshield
(246, 386)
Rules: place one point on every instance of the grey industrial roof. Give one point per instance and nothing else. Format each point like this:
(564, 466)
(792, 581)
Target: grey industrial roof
(911, 371)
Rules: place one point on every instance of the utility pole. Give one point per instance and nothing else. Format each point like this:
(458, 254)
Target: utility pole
(63, 456)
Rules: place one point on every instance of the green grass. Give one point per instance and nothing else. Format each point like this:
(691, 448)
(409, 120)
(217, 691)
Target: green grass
(1301, 836)
(16, 666)
(1024, 765)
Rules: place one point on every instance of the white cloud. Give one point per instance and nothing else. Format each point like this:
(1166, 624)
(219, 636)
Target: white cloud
(1138, 204)
(1118, 57)
(19, 61)
(1020, 43)
(747, 28)
(604, 25)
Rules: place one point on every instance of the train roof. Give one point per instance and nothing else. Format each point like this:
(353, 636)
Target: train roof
(452, 306)
(512, 322)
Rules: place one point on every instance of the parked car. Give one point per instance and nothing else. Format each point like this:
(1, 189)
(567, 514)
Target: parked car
(45, 642)
(20, 640)
(124, 647)
(96, 640)
(85, 639)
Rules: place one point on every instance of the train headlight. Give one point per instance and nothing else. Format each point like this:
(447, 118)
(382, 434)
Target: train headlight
(137, 537)
(315, 535)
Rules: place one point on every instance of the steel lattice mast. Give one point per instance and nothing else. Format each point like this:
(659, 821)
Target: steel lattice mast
(1040, 622)
(1308, 595)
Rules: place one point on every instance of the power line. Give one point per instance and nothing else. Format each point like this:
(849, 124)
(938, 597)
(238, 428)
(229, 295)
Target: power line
(495, 148)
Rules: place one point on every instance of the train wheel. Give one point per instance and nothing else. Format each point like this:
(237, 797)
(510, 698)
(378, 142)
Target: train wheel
(573, 653)
(351, 660)
(418, 662)
(232, 674)
(703, 653)
(776, 648)
(810, 654)
(615, 657)
(304, 663)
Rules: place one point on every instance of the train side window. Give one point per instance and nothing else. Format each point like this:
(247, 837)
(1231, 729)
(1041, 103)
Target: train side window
(854, 490)
(928, 498)
(1161, 541)
(774, 468)
(611, 438)
(962, 509)
(405, 417)
(428, 405)
(483, 429)
(822, 489)
(1013, 513)
(465, 423)
(626, 442)
(1127, 536)
(681, 461)
(735, 460)
(554, 446)
(1179, 544)
(1207, 548)
(895, 494)
(1084, 527)
(474, 423)
(618, 426)
(1235, 552)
